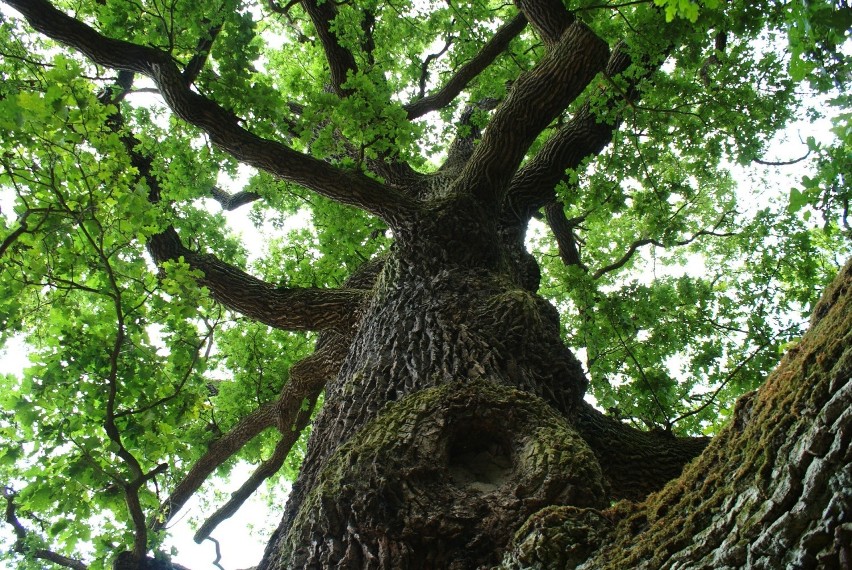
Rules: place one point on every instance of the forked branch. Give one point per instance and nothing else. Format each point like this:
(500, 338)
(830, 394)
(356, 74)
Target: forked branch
(581, 137)
(536, 98)
(307, 379)
(469, 71)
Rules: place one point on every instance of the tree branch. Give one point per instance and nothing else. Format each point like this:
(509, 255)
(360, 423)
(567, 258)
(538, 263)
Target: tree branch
(220, 125)
(266, 470)
(20, 546)
(233, 201)
(280, 307)
(341, 62)
(296, 309)
(730, 376)
(620, 262)
(202, 52)
(16, 233)
(489, 52)
(217, 453)
(563, 231)
(462, 147)
(424, 67)
(549, 18)
(782, 162)
(137, 475)
(307, 378)
(536, 98)
(635, 463)
(581, 137)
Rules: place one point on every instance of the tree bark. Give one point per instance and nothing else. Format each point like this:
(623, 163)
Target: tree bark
(773, 490)
(457, 415)
(455, 437)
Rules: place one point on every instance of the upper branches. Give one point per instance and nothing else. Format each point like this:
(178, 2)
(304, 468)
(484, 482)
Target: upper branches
(219, 124)
(581, 137)
(280, 307)
(341, 61)
(489, 52)
(536, 98)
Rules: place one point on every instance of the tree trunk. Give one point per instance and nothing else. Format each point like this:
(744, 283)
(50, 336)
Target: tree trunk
(456, 416)
(455, 437)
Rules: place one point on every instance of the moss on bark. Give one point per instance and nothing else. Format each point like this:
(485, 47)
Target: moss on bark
(442, 479)
(774, 489)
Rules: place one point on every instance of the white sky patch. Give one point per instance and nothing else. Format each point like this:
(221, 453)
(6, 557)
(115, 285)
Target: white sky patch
(241, 538)
(13, 356)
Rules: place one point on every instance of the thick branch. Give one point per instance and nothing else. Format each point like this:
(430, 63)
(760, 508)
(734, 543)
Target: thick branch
(307, 378)
(583, 136)
(635, 463)
(281, 307)
(489, 52)
(549, 18)
(536, 98)
(340, 60)
(220, 125)
(462, 147)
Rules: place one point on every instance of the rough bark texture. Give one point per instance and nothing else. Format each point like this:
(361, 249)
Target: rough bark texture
(774, 490)
(449, 310)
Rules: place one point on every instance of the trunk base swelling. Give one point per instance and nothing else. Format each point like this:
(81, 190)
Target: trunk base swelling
(441, 479)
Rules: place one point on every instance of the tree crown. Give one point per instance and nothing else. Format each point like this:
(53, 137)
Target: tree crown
(130, 130)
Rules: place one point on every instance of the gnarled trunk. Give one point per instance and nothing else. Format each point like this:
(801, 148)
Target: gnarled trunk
(455, 437)
(456, 415)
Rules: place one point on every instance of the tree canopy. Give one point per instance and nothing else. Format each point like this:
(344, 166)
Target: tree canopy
(165, 346)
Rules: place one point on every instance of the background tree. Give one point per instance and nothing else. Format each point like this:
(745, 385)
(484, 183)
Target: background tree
(419, 144)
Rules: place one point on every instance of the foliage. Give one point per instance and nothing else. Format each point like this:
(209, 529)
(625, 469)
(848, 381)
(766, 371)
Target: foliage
(686, 295)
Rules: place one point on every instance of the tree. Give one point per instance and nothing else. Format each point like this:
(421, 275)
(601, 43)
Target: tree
(423, 141)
